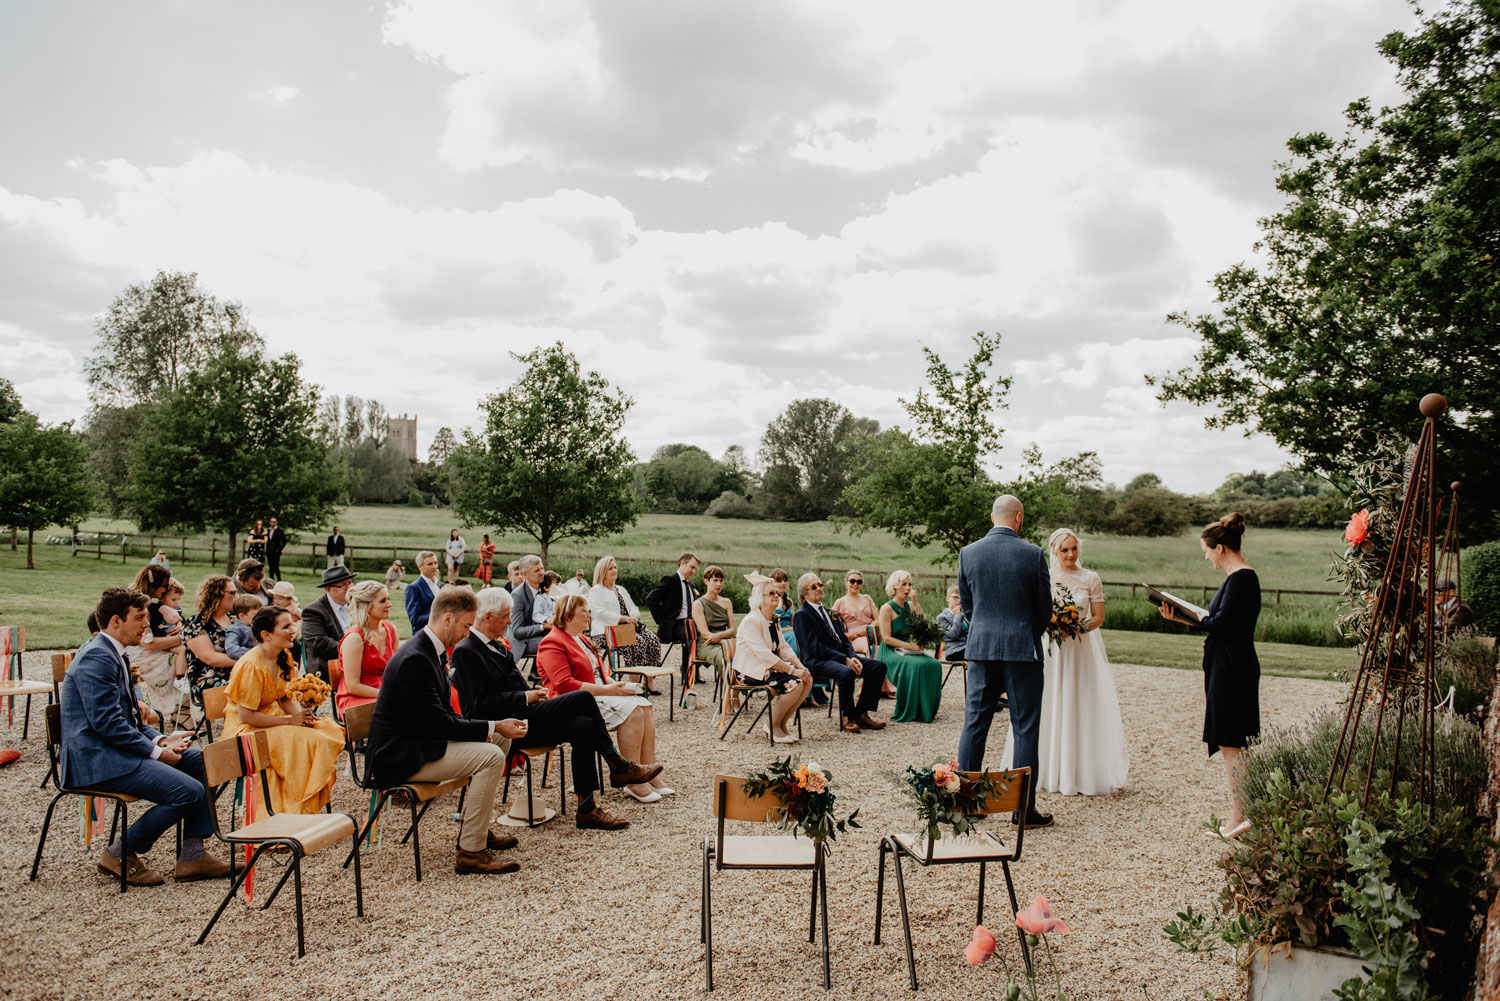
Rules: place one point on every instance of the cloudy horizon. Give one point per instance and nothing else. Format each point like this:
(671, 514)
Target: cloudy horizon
(720, 207)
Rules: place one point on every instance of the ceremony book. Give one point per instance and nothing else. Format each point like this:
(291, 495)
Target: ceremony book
(1186, 609)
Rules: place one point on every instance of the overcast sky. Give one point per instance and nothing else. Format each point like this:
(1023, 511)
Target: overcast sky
(722, 206)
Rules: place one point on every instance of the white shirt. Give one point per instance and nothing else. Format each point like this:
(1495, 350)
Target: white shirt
(687, 597)
(340, 612)
(120, 653)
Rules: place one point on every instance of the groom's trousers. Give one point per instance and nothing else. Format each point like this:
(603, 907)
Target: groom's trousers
(987, 681)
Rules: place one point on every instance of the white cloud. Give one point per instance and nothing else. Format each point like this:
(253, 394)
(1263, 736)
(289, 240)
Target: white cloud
(279, 94)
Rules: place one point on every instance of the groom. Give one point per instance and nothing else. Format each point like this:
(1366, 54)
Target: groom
(1006, 593)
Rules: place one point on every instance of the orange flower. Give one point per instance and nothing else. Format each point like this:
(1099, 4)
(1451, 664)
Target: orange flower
(981, 947)
(1038, 919)
(1358, 528)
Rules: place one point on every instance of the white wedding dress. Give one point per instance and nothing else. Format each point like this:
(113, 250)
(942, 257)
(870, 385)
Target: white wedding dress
(1081, 739)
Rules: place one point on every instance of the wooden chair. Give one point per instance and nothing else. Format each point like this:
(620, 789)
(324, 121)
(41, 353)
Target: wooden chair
(121, 819)
(223, 763)
(60, 664)
(747, 694)
(544, 751)
(983, 848)
(215, 701)
(14, 684)
(735, 851)
(646, 674)
(357, 728)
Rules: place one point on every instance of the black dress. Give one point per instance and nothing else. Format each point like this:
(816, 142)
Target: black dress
(1231, 671)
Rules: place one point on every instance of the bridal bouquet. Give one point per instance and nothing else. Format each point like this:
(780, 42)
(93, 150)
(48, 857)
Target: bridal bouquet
(1067, 620)
(923, 632)
(806, 798)
(308, 689)
(947, 796)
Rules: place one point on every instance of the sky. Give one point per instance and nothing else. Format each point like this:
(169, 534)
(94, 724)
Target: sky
(720, 206)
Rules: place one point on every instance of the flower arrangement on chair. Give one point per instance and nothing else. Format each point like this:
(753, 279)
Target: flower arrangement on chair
(1035, 922)
(308, 689)
(806, 797)
(947, 796)
(1067, 621)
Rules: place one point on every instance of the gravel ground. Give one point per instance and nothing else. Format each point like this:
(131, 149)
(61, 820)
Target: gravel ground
(615, 915)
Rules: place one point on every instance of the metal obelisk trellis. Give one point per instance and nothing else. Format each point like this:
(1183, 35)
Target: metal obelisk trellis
(1395, 670)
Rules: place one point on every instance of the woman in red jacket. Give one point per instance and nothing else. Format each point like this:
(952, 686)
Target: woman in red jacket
(568, 662)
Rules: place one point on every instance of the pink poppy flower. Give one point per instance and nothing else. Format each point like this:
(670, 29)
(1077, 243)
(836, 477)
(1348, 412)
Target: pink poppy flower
(1358, 528)
(1039, 920)
(981, 947)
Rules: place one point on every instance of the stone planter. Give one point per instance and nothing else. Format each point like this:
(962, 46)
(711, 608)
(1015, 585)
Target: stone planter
(1301, 974)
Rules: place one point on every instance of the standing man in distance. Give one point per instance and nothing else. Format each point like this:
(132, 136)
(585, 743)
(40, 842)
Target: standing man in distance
(524, 635)
(671, 605)
(325, 621)
(1005, 590)
(275, 546)
(423, 591)
(335, 548)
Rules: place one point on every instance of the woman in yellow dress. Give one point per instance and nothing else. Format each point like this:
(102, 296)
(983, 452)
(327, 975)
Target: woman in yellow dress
(304, 748)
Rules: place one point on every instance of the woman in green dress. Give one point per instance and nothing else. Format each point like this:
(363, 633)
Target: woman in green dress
(713, 617)
(918, 677)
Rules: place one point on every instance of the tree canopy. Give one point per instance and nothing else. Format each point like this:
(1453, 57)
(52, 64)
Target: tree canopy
(1381, 278)
(44, 478)
(805, 455)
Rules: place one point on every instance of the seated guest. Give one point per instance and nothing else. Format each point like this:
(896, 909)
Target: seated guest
(827, 653)
(107, 746)
(784, 608)
(568, 662)
(524, 633)
(160, 560)
(326, 620)
(423, 590)
(954, 626)
(546, 598)
(1456, 615)
(393, 576)
(304, 746)
(513, 573)
(489, 685)
(579, 585)
(154, 660)
(858, 611)
(713, 618)
(237, 641)
(368, 645)
(671, 605)
(762, 657)
(204, 632)
(918, 676)
(250, 578)
(611, 605)
(415, 736)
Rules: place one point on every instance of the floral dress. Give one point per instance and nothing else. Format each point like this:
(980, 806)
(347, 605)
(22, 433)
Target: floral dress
(647, 649)
(200, 675)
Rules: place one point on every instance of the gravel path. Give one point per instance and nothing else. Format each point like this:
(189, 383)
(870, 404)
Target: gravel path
(615, 915)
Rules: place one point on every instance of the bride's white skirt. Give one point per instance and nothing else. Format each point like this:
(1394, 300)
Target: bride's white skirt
(1081, 739)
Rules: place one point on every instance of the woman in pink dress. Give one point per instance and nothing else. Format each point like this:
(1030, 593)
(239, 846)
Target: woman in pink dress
(367, 646)
(858, 611)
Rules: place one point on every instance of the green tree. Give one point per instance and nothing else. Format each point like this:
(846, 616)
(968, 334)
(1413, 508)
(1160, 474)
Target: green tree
(682, 479)
(1145, 481)
(237, 440)
(1381, 280)
(443, 444)
(804, 451)
(552, 460)
(10, 402)
(44, 477)
(378, 473)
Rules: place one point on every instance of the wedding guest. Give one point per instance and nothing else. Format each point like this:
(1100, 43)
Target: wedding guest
(826, 651)
(486, 561)
(415, 736)
(713, 618)
(423, 590)
(154, 657)
(611, 605)
(326, 620)
(784, 608)
(525, 634)
(255, 543)
(394, 575)
(106, 746)
(763, 657)
(513, 575)
(671, 605)
(454, 549)
(238, 641)
(250, 578)
(1231, 669)
(275, 546)
(859, 613)
(489, 684)
(579, 585)
(160, 560)
(917, 675)
(547, 594)
(334, 547)
(954, 626)
(1456, 615)
(208, 666)
(284, 595)
(368, 645)
(568, 662)
(304, 746)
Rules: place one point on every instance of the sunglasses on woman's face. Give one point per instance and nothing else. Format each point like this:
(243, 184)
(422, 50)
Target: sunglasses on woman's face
(856, 580)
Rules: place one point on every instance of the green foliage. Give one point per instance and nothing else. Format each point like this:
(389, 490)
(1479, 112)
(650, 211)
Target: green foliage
(804, 451)
(44, 476)
(1063, 494)
(552, 460)
(682, 479)
(1468, 667)
(1380, 923)
(108, 435)
(1377, 488)
(806, 798)
(379, 473)
(1481, 584)
(731, 505)
(236, 441)
(10, 401)
(1380, 282)
(443, 444)
(949, 798)
(1151, 511)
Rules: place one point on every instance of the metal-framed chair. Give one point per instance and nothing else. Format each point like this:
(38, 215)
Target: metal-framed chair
(302, 835)
(545, 751)
(646, 674)
(984, 848)
(357, 728)
(13, 684)
(215, 701)
(60, 664)
(737, 851)
(747, 694)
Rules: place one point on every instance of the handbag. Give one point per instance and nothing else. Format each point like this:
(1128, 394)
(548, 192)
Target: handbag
(622, 635)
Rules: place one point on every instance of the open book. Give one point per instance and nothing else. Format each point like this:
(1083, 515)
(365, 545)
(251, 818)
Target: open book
(1185, 609)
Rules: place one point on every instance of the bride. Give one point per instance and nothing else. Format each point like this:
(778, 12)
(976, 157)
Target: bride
(1081, 740)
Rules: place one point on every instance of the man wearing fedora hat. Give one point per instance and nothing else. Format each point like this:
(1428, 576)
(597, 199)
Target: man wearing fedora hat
(325, 621)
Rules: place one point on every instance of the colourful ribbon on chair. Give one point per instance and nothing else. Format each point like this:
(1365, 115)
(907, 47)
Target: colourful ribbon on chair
(250, 789)
(10, 642)
(374, 834)
(91, 821)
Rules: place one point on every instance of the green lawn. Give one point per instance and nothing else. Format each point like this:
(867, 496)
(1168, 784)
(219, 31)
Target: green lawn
(1185, 651)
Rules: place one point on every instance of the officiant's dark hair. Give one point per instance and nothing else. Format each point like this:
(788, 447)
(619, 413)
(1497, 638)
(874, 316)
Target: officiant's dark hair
(1226, 532)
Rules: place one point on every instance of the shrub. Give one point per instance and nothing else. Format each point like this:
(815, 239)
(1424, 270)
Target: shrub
(1481, 585)
(1152, 511)
(1468, 667)
(731, 505)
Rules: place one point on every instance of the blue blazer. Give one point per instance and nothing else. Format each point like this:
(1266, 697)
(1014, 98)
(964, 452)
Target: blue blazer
(1006, 594)
(816, 643)
(418, 603)
(100, 738)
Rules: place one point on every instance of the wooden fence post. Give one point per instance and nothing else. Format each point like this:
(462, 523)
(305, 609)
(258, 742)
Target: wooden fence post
(184, 548)
(213, 550)
(98, 546)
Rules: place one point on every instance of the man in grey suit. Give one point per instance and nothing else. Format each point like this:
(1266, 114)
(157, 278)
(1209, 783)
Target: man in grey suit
(524, 635)
(1006, 594)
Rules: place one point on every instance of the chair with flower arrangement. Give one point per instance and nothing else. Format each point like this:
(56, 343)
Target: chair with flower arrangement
(777, 851)
(1008, 794)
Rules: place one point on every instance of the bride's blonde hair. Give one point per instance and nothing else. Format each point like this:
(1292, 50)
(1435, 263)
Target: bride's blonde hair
(1054, 540)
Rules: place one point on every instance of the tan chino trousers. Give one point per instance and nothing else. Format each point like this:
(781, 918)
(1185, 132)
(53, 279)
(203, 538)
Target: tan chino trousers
(484, 764)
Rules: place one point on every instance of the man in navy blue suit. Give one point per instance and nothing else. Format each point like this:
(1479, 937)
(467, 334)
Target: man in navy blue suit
(827, 652)
(107, 746)
(1006, 593)
(423, 590)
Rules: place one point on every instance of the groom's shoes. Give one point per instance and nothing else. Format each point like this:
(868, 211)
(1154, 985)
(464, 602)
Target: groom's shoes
(1033, 819)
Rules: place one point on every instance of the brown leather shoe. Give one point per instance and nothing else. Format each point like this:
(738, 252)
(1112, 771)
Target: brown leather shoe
(864, 720)
(597, 820)
(500, 842)
(137, 873)
(482, 862)
(633, 775)
(207, 867)
(851, 726)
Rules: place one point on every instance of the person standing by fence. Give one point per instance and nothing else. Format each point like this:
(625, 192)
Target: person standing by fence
(275, 546)
(335, 548)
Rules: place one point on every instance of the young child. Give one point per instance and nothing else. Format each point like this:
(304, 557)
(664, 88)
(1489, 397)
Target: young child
(238, 641)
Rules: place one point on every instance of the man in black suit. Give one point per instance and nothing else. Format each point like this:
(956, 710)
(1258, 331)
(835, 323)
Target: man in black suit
(671, 605)
(490, 686)
(275, 546)
(415, 736)
(825, 648)
(334, 547)
(326, 620)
